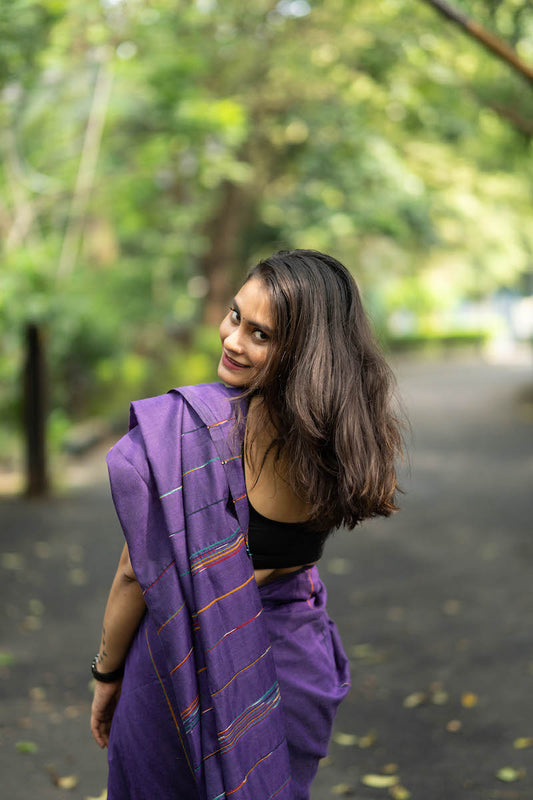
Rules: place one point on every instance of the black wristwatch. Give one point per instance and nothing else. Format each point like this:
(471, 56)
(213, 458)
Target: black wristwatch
(106, 677)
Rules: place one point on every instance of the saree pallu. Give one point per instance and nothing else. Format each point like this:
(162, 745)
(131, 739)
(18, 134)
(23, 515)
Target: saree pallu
(144, 754)
(229, 691)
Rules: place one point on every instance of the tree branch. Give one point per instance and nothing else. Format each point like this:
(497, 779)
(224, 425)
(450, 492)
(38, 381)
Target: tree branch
(487, 39)
(86, 170)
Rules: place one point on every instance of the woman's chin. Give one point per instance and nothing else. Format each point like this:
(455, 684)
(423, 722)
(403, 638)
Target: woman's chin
(228, 378)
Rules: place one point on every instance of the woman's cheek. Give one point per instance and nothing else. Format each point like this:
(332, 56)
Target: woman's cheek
(223, 329)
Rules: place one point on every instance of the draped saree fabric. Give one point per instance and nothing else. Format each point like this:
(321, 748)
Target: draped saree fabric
(226, 692)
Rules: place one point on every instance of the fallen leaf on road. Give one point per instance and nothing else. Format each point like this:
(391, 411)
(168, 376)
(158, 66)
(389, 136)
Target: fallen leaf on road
(42, 550)
(390, 769)
(14, 561)
(415, 699)
(454, 725)
(379, 781)
(67, 782)
(36, 607)
(451, 607)
(366, 652)
(31, 623)
(523, 742)
(343, 789)
(339, 566)
(345, 739)
(77, 577)
(509, 774)
(368, 740)
(26, 747)
(7, 659)
(399, 792)
(469, 699)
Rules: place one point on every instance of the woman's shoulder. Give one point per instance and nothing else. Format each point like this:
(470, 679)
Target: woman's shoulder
(152, 415)
(212, 402)
(157, 422)
(206, 394)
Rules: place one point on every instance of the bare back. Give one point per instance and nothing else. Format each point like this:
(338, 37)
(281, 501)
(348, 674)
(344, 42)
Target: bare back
(268, 485)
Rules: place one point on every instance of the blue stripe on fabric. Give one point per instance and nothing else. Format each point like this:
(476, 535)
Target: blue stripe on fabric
(196, 511)
(215, 544)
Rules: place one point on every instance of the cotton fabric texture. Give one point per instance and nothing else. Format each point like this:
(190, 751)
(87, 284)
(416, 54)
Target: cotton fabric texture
(229, 689)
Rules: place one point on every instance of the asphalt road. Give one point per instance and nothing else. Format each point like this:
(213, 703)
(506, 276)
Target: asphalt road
(434, 606)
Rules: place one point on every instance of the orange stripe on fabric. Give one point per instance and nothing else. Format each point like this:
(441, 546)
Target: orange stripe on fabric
(222, 421)
(247, 714)
(195, 704)
(229, 745)
(181, 662)
(231, 791)
(169, 705)
(227, 549)
(238, 734)
(241, 670)
(188, 709)
(235, 629)
(222, 596)
(217, 557)
(159, 576)
(312, 589)
(170, 618)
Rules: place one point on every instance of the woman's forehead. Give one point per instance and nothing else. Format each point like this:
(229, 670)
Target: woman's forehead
(254, 302)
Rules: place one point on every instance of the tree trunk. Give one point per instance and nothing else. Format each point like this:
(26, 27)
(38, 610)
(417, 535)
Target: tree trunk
(34, 410)
(220, 264)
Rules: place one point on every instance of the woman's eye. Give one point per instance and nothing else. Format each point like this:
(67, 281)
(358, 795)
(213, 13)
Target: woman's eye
(260, 335)
(234, 315)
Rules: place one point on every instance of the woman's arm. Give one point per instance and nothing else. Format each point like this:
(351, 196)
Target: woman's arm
(124, 611)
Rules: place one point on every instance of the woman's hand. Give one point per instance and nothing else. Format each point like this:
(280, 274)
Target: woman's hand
(124, 611)
(104, 703)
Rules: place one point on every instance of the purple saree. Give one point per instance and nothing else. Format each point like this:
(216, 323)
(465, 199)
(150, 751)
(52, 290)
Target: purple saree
(229, 690)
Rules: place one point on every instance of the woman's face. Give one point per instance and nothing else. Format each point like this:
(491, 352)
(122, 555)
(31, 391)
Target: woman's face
(246, 334)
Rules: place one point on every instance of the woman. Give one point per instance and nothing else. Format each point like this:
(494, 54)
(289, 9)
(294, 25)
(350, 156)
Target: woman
(226, 493)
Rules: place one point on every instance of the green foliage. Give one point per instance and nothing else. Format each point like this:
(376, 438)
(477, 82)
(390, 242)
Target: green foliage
(430, 342)
(137, 133)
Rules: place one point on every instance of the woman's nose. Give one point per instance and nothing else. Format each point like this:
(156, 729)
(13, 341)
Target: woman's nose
(233, 342)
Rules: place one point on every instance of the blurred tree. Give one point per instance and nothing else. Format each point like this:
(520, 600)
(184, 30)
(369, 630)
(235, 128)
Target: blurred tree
(153, 149)
(494, 44)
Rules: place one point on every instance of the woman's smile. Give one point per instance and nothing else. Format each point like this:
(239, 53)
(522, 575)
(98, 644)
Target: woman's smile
(246, 334)
(230, 363)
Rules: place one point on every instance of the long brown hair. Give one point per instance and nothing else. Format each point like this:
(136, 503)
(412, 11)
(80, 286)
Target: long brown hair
(327, 390)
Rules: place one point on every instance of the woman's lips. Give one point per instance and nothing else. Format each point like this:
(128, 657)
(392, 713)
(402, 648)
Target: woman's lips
(229, 363)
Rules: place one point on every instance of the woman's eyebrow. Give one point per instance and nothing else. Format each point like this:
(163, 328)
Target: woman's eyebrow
(259, 325)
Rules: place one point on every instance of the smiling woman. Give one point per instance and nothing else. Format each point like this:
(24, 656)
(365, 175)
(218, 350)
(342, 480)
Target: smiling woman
(246, 335)
(219, 670)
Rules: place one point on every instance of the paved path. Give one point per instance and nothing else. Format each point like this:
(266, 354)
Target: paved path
(435, 602)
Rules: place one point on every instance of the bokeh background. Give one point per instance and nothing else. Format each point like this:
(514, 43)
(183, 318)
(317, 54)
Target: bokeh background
(151, 151)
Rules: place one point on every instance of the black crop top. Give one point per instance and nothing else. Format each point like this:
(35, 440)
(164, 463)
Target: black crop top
(275, 545)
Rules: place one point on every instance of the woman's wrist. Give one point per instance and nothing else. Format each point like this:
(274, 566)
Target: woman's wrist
(106, 677)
